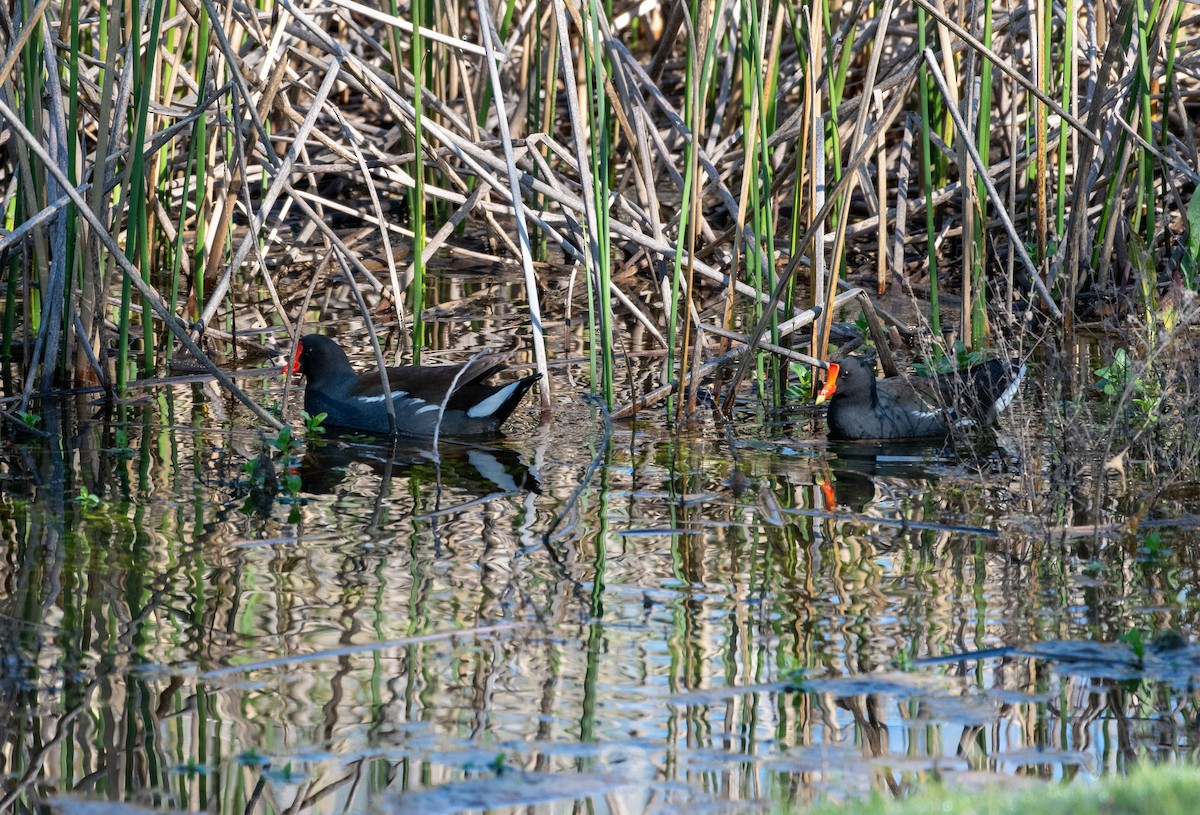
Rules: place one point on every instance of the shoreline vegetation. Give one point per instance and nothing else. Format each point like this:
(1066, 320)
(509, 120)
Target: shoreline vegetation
(1148, 790)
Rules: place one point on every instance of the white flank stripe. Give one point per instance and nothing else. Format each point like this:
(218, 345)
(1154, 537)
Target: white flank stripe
(1010, 392)
(490, 405)
(373, 399)
(428, 408)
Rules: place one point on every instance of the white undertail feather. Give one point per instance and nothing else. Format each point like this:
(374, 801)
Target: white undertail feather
(493, 403)
(1010, 392)
(372, 399)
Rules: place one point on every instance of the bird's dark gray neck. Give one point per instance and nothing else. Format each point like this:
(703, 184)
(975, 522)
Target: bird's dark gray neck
(338, 381)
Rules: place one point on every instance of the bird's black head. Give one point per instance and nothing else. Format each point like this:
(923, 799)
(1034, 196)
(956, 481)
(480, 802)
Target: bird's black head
(318, 356)
(854, 378)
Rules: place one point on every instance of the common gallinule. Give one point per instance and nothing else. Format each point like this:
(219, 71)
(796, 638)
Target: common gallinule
(355, 401)
(863, 407)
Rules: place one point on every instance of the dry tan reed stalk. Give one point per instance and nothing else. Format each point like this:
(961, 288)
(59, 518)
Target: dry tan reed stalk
(514, 184)
(903, 174)
(881, 176)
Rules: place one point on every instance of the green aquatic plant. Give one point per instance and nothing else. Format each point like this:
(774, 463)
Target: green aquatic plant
(288, 445)
(903, 660)
(314, 424)
(1148, 790)
(1148, 407)
(498, 765)
(260, 471)
(265, 476)
(1190, 263)
(1112, 379)
(285, 442)
(801, 381)
(943, 363)
(796, 680)
(864, 329)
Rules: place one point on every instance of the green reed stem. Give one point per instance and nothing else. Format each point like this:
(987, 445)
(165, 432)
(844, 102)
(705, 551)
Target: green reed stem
(1171, 91)
(758, 167)
(199, 138)
(696, 90)
(837, 84)
(935, 316)
(984, 143)
(31, 193)
(1044, 18)
(137, 247)
(541, 110)
(600, 127)
(1067, 71)
(417, 195)
(177, 256)
(9, 327)
(685, 209)
(1143, 92)
(1108, 211)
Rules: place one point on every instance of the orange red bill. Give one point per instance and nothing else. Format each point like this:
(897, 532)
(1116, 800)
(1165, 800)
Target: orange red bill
(294, 367)
(830, 383)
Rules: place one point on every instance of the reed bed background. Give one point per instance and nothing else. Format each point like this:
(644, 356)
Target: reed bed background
(180, 177)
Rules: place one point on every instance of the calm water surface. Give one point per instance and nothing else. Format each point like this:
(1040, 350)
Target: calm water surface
(562, 616)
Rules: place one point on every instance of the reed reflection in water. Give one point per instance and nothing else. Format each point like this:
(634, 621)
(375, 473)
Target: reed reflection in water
(685, 637)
